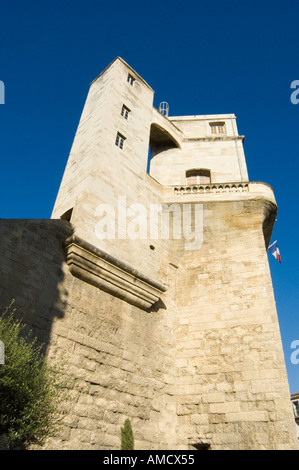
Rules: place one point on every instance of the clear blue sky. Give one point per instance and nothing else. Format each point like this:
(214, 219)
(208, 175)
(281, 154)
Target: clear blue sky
(237, 56)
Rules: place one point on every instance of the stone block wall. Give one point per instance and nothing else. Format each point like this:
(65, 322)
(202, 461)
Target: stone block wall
(204, 367)
(119, 358)
(232, 389)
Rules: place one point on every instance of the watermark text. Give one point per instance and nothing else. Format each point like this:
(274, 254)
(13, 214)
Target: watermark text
(2, 353)
(155, 221)
(2, 92)
(295, 94)
(295, 353)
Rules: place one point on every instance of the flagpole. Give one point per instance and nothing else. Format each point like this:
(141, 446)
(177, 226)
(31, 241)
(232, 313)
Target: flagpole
(272, 244)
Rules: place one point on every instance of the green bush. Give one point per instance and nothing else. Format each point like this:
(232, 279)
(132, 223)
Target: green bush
(127, 437)
(30, 390)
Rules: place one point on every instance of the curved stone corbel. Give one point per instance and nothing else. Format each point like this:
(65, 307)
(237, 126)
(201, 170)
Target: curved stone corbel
(92, 265)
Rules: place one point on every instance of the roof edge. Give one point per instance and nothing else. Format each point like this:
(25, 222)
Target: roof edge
(128, 66)
(202, 117)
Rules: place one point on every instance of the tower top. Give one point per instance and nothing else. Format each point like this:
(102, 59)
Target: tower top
(128, 66)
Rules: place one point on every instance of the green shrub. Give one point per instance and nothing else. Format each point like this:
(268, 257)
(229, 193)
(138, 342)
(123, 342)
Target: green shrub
(127, 437)
(30, 390)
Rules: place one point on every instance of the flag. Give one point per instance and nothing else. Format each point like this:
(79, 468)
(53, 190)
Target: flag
(274, 250)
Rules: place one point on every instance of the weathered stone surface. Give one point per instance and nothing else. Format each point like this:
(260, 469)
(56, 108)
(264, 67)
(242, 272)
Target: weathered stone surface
(205, 363)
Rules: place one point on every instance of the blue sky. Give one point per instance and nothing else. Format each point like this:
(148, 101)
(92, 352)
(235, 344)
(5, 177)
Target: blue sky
(201, 57)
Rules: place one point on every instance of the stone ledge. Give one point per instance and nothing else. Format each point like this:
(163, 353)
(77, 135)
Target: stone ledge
(92, 265)
(214, 138)
(212, 188)
(239, 190)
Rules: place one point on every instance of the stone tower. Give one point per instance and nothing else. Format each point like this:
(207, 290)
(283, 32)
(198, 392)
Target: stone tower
(163, 308)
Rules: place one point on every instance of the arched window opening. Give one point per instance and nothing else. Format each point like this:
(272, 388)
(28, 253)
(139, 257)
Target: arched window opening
(200, 176)
(160, 141)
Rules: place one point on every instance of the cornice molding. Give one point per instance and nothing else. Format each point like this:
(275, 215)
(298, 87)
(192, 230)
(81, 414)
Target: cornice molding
(96, 267)
(214, 138)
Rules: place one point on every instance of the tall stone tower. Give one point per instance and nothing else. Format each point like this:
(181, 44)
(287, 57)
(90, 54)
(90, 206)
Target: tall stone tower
(206, 286)
(164, 310)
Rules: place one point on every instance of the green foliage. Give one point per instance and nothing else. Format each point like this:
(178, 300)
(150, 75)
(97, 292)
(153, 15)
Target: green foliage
(29, 388)
(127, 437)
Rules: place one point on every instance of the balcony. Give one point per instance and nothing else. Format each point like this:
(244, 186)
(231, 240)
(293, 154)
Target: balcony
(219, 191)
(212, 188)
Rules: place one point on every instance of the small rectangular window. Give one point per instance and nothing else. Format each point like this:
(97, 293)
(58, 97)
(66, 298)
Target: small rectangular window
(120, 140)
(130, 80)
(125, 112)
(218, 127)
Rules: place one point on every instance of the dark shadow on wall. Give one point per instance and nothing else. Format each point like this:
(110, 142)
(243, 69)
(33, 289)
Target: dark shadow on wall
(270, 213)
(31, 272)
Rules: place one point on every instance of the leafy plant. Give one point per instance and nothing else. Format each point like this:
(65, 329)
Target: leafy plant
(30, 389)
(127, 437)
